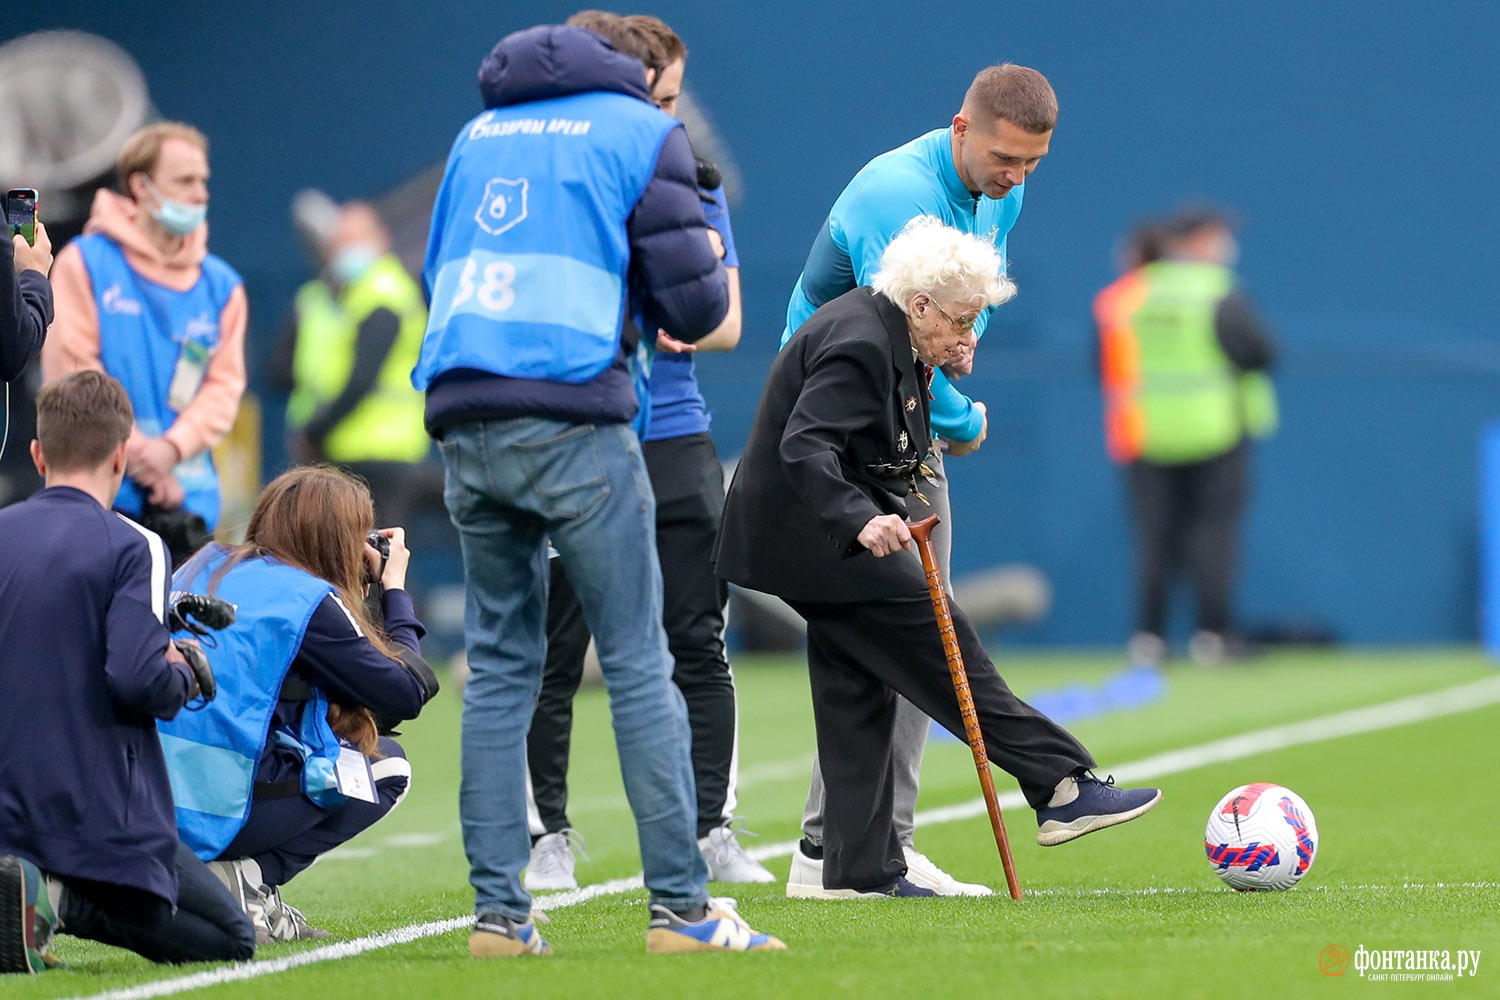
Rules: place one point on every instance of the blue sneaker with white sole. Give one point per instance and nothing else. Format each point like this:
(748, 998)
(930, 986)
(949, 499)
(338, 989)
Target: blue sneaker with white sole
(721, 929)
(1099, 804)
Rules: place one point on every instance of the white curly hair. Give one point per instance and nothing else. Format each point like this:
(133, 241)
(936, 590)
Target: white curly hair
(930, 258)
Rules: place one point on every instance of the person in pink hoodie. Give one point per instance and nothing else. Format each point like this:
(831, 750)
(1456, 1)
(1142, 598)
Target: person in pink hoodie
(140, 297)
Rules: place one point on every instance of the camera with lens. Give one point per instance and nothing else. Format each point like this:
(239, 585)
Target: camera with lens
(380, 544)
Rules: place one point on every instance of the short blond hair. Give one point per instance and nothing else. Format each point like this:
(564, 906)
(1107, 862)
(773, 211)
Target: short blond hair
(933, 259)
(143, 149)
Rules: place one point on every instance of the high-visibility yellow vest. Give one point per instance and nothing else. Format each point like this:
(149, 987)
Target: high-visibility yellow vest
(1171, 394)
(387, 423)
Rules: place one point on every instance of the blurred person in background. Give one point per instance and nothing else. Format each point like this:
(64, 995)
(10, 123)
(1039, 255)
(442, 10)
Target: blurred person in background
(688, 481)
(347, 361)
(1184, 358)
(140, 297)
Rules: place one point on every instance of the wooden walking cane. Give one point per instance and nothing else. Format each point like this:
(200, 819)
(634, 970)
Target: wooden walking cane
(921, 533)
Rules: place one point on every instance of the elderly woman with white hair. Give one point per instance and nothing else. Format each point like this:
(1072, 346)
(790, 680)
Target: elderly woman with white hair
(816, 515)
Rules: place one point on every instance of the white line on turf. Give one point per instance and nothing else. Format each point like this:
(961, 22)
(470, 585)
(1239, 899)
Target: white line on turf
(1219, 890)
(1418, 708)
(251, 970)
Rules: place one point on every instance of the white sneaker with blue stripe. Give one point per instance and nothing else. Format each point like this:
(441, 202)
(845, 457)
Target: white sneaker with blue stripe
(721, 929)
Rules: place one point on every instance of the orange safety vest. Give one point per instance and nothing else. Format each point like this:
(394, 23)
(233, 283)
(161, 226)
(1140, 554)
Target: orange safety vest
(1120, 366)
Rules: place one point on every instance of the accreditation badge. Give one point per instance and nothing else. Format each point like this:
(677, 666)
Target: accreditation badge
(192, 363)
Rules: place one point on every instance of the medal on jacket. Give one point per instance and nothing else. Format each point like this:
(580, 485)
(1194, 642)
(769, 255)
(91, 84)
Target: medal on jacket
(911, 404)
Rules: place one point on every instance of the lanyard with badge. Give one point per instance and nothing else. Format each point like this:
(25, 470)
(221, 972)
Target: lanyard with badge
(187, 376)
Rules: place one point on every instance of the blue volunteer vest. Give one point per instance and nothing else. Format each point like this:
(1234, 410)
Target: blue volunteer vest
(143, 330)
(526, 265)
(212, 753)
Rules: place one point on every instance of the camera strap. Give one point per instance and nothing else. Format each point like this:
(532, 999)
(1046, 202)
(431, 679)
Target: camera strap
(5, 434)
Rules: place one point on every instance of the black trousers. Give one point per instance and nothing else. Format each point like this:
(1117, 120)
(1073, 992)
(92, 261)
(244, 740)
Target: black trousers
(206, 926)
(689, 486)
(858, 657)
(1187, 520)
(286, 834)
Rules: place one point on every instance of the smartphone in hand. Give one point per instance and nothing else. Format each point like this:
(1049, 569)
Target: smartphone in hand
(20, 214)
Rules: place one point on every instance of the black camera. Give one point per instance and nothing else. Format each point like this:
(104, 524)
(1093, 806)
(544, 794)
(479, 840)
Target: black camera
(380, 544)
(199, 614)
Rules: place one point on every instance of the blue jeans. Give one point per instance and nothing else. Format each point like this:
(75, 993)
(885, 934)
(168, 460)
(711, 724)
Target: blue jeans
(511, 485)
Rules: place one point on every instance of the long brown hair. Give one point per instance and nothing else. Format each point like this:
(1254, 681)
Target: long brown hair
(316, 517)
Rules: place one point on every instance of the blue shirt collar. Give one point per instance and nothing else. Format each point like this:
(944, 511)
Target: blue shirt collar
(951, 181)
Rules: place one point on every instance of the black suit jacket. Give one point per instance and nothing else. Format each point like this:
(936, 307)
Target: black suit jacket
(837, 439)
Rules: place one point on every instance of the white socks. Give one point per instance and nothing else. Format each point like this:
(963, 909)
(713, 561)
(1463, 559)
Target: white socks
(1066, 791)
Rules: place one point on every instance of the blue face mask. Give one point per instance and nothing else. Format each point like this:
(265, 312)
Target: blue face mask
(353, 262)
(179, 218)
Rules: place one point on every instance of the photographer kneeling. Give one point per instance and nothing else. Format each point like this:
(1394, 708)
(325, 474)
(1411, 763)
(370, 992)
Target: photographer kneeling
(287, 763)
(87, 842)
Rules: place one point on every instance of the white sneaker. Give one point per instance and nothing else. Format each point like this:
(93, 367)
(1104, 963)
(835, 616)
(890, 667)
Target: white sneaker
(283, 921)
(273, 918)
(1206, 648)
(727, 860)
(805, 881)
(1146, 649)
(921, 871)
(552, 861)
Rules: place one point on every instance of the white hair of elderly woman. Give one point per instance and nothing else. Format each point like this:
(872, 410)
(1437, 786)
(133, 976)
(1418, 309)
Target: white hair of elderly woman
(930, 258)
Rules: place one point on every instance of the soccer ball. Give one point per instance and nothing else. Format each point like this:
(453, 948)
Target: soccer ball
(1261, 838)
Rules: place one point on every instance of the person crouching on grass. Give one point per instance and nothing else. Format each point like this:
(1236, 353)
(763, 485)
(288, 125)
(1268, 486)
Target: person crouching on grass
(816, 515)
(288, 762)
(87, 843)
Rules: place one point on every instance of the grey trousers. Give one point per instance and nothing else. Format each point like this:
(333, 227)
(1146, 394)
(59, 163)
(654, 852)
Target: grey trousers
(909, 732)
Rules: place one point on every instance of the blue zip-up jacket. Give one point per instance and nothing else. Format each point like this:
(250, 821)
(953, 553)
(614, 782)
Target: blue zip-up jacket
(918, 178)
(673, 280)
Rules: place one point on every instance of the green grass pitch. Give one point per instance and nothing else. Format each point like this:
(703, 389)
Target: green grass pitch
(1408, 860)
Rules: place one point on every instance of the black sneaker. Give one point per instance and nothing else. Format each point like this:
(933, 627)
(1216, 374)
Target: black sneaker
(1099, 804)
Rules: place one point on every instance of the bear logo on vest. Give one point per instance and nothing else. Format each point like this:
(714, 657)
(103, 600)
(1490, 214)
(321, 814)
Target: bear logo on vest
(503, 205)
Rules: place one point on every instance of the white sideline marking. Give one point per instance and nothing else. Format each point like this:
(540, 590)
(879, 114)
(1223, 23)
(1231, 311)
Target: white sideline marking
(252, 970)
(1418, 708)
(415, 839)
(1219, 890)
